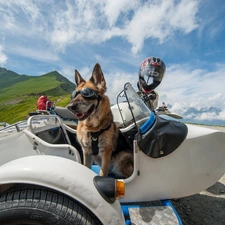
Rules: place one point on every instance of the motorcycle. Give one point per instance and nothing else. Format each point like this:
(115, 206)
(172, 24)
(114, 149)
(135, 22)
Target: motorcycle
(41, 170)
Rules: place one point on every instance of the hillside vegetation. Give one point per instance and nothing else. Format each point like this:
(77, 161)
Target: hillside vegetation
(19, 93)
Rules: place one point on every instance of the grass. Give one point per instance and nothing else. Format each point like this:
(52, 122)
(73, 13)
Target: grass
(12, 113)
(33, 86)
(20, 98)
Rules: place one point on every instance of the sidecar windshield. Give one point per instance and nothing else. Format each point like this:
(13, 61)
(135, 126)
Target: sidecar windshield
(130, 109)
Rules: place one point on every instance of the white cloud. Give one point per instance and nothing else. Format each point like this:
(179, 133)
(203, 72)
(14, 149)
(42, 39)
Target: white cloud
(200, 112)
(62, 24)
(210, 116)
(159, 20)
(114, 9)
(115, 84)
(184, 87)
(85, 72)
(183, 83)
(180, 107)
(3, 57)
(221, 115)
(183, 15)
(68, 72)
(20, 17)
(39, 54)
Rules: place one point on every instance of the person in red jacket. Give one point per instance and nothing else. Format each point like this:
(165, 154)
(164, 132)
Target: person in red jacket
(44, 103)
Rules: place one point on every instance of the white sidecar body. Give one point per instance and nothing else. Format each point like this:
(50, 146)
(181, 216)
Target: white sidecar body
(184, 160)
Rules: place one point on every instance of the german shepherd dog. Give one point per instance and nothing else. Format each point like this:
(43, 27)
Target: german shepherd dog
(100, 138)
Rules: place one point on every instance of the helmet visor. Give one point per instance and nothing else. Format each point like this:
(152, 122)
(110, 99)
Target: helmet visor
(151, 71)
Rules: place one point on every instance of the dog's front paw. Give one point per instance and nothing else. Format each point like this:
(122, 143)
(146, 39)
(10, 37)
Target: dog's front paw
(103, 174)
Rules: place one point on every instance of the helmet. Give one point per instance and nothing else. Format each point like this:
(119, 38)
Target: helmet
(150, 74)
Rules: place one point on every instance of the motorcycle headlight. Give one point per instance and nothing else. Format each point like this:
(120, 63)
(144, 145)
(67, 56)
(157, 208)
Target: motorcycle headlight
(109, 188)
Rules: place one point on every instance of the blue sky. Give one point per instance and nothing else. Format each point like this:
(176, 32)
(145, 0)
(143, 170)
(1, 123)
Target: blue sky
(38, 36)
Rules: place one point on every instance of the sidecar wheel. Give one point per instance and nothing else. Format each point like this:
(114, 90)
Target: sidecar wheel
(42, 207)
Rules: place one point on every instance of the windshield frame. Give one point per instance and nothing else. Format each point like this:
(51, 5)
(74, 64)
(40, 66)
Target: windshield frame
(130, 105)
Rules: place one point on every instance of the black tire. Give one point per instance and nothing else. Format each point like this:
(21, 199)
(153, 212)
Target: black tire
(39, 206)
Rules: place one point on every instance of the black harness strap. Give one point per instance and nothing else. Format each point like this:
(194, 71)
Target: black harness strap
(94, 138)
(99, 99)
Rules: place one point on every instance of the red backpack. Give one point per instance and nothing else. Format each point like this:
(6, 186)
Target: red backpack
(41, 103)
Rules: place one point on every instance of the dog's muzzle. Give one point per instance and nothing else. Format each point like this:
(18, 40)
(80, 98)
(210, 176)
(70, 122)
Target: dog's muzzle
(81, 112)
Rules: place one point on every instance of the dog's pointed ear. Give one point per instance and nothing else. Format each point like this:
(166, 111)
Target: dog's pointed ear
(78, 78)
(98, 78)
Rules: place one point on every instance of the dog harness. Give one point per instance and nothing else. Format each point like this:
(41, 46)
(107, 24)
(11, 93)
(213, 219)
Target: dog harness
(94, 138)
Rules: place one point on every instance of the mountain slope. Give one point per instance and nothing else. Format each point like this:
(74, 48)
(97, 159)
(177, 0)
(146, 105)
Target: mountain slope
(19, 94)
(8, 78)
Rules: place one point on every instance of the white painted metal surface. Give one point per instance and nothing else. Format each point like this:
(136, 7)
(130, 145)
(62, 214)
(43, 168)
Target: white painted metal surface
(196, 165)
(15, 146)
(66, 176)
(24, 143)
(44, 148)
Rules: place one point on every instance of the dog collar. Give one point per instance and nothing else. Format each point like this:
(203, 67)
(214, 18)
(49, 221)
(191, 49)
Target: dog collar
(94, 139)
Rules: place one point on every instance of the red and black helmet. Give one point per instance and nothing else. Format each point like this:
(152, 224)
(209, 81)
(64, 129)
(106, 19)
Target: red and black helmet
(150, 74)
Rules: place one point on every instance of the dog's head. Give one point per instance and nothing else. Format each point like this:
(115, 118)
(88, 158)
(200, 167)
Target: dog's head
(88, 95)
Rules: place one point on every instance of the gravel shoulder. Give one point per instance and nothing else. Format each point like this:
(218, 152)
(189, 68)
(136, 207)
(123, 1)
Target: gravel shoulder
(206, 207)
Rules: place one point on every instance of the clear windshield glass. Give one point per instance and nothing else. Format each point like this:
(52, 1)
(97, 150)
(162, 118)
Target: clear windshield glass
(130, 109)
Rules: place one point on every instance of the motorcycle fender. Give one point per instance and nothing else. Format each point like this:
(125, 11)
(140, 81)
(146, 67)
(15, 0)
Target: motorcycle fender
(63, 175)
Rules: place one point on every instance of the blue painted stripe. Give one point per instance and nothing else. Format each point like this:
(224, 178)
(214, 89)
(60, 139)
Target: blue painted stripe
(168, 203)
(148, 124)
(128, 222)
(96, 169)
(125, 209)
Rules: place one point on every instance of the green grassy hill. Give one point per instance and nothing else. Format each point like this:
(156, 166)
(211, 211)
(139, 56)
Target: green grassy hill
(19, 93)
(8, 78)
